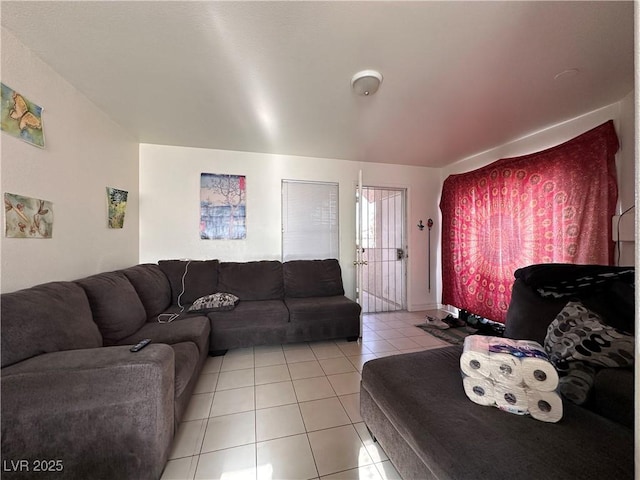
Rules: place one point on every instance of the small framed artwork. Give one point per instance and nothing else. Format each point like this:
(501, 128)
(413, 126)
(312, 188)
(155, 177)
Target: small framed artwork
(223, 207)
(20, 117)
(27, 217)
(117, 206)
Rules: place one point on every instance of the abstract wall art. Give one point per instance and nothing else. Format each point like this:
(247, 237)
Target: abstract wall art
(27, 217)
(222, 207)
(21, 118)
(117, 205)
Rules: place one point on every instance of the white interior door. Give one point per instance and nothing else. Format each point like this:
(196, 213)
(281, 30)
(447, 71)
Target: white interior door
(358, 263)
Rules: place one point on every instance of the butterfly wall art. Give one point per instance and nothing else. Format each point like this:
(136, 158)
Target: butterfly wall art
(20, 117)
(27, 217)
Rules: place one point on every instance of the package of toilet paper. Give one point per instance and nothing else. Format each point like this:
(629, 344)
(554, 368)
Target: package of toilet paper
(512, 375)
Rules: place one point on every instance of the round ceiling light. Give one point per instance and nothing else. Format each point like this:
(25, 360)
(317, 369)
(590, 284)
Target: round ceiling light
(366, 82)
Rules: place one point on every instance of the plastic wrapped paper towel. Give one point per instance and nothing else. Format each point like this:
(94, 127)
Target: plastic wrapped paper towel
(513, 375)
(479, 390)
(505, 368)
(511, 398)
(475, 361)
(533, 366)
(513, 362)
(545, 406)
(539, 374)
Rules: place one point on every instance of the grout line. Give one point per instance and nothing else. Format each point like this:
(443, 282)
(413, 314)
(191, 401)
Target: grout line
(255, 424)
(375, 320)
(205, 426)
(315, 463)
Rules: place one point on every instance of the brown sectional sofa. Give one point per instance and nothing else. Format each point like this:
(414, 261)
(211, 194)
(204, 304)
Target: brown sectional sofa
(296, 301)
(74, 394)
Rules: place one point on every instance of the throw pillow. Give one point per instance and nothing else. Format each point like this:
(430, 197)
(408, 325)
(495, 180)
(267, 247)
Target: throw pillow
(578, 334)
(578, 342)
(577, 383)
(214, 302)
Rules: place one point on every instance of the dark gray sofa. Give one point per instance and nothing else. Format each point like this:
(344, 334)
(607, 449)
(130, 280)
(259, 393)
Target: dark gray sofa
(416, 408)
(72, 392)
(295, 301)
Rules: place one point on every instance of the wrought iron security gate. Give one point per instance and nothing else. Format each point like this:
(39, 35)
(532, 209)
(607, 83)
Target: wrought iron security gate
(382, 249)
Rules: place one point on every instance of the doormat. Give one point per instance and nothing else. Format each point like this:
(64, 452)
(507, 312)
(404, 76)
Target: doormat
(451, 335)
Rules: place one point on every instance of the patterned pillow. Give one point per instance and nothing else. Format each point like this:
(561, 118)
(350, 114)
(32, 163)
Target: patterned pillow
(578, 343)
(578, 334)
(576, 384)
(215, 302)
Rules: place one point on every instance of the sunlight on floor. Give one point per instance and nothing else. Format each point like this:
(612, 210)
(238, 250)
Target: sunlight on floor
(292, 411)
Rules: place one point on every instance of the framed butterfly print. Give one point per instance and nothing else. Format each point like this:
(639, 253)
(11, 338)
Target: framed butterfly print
(27, 217)
(20, 117)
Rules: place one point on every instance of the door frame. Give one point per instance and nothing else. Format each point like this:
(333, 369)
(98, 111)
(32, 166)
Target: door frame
(404, 235)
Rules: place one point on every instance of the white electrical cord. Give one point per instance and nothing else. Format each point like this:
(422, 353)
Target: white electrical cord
(172, 316)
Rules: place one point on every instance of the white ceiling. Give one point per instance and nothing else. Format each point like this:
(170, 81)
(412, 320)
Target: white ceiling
(274, 77)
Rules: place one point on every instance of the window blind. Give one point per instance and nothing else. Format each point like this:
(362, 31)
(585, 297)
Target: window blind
(309, 220)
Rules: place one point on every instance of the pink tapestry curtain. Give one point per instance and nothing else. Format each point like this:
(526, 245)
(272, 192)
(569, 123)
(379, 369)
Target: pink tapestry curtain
(551, 206)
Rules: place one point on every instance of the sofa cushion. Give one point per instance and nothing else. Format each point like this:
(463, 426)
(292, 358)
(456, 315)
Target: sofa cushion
(248, 314)
(318, 309)
(616, 305)
(613, 395)
(152, 286)
(46, 318)
(252, 280)
(250, 323)
(115, 305)
(200, 278)
(312, 278)
(106, 413)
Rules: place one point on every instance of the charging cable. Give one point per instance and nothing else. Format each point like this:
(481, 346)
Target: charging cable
(170, 317)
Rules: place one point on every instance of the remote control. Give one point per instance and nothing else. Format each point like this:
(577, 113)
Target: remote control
(141, 345)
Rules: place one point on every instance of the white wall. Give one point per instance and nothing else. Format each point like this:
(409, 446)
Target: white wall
(626, 165)
(84, 153)
(621, 112)
(169, 207)
(169, 196)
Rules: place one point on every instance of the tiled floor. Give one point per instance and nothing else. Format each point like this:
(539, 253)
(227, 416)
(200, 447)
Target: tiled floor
(290, 411)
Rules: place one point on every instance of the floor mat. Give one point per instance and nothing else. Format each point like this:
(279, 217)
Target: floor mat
(452, 335)
(456, 335)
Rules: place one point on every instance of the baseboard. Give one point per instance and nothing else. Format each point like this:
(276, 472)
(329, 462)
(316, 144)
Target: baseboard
(422, 307)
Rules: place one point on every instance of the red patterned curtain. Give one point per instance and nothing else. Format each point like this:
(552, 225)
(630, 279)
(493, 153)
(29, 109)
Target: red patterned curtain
(551, 206)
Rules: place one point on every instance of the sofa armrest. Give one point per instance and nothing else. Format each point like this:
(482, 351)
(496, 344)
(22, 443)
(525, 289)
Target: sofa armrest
(97, 413)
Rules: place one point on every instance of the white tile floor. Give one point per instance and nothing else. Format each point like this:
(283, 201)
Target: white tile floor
(290, 411)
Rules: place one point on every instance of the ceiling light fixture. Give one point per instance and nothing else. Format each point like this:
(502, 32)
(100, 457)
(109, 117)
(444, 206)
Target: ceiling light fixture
(366, 82)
